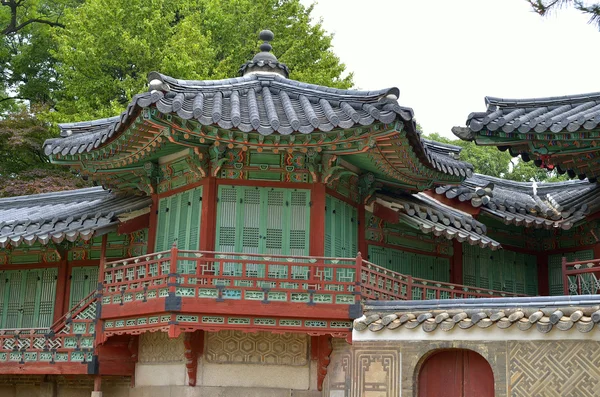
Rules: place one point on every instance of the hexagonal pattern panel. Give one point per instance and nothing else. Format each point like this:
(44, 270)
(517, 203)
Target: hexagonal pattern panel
(157, 347)
(258, 348)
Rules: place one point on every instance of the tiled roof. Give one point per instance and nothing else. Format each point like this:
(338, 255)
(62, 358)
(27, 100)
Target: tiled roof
(538, 115)
(431, 216)
(266, 103)
(64, 215)
(545, 313)
(539, 205)
(444, 158)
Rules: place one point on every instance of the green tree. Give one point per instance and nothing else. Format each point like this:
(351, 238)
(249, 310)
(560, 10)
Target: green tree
(109, 46)
(488, 160)
(24, 168)
(545, 7)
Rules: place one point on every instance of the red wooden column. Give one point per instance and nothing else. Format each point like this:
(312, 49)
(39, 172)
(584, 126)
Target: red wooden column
(152, 227)
(61, 288)
(362, 224)
(317, 220)
(542, 273)
(208, 226)
(101, 268)
(456, 271)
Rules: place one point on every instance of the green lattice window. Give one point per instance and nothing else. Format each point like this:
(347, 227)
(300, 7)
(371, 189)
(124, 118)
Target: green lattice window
(263, 220)
(341, 229)
(500, 270)
(417, 265)
(27, 298)
(179, 219)
(555, 278)
(84, 280)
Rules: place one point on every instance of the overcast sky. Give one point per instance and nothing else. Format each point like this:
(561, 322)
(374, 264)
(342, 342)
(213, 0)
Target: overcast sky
(446, 56)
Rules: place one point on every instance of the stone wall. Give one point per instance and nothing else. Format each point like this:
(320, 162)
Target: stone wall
(521, 368)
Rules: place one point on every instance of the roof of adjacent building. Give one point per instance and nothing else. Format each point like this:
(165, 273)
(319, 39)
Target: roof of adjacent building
(558, 133)
(538, 115)
(542, 313)
(529, 204)
(68, 215)
(433, 217)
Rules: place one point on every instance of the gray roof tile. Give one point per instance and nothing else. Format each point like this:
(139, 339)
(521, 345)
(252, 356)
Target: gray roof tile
(63, 215)
(539, 205)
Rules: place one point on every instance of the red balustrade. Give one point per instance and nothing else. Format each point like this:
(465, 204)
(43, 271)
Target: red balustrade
(232, 276)
(380, 283)
(69, 341)
(581, 277)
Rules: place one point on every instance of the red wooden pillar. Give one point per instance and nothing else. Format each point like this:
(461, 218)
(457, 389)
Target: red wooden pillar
(61, 288)
(101, 268)
(152, 226)
(596, 249)
(362, 224)
(542, 273)
(209, 215)
(456, 271)
(317, 220)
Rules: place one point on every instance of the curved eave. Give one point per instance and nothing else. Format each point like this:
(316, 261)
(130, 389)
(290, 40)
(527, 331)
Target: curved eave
(55, 217)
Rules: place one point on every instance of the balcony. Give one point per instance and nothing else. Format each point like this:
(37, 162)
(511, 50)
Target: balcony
(180, 290)
(581, 277)
(67, 347)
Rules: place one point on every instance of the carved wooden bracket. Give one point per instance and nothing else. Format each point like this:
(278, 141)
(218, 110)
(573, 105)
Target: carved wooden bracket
(320, 351)
(194, 346)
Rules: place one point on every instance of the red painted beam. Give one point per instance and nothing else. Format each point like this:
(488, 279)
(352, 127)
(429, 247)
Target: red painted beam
(194, 346)
(317, 220)
(61, 290)
(542, 274)
(385, 213)
(43, 368)
(152, 227)
(135, 224)
(456, 204)
(209, 214)
(229, 307)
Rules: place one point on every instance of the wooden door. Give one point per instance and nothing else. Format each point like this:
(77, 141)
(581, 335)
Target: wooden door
(456, 373)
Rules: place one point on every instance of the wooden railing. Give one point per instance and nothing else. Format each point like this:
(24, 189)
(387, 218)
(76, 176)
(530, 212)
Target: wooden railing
(379, 283)
(232, 276)
(581, 277)
(269, 278)
(68, 340)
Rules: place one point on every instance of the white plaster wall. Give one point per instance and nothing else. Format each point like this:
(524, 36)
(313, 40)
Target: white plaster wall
(160, 375)
(253, 375)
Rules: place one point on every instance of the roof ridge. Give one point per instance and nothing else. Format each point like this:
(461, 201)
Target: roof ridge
(90, 191)
(553, 100)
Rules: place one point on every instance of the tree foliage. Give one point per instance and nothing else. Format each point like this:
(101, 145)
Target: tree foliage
(545, 7)
(72, 60)
(24, 168)
(490, 161)
(109, 46)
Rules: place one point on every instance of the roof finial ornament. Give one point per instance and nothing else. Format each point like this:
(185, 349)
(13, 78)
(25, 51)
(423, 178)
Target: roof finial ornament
(265, 61)
(266, 36)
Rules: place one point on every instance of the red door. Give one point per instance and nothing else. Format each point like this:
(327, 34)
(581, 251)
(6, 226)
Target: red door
(456, 373)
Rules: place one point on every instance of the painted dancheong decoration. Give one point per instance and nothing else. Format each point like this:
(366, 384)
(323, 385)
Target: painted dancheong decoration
(252, 220)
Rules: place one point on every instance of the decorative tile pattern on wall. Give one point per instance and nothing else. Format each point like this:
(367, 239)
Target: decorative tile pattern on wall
(554, 368)
(236, 347)
(363, 372)
(157, 347)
